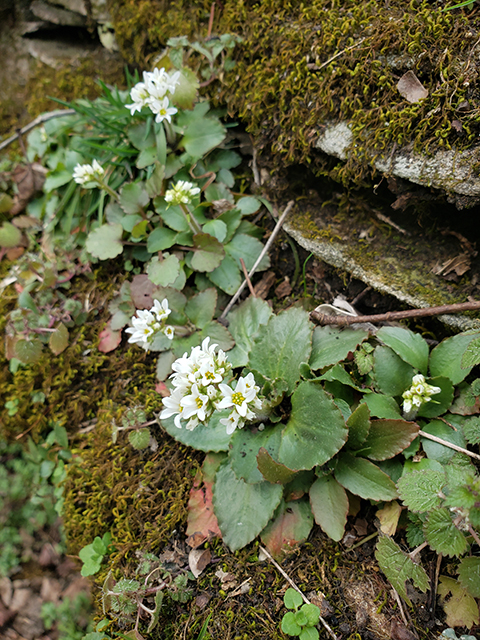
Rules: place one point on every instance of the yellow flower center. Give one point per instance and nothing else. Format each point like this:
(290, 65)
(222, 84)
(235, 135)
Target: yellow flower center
(237, 398)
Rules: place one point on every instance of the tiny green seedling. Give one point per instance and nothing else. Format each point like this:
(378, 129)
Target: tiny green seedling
(302, 621)
(92, 554)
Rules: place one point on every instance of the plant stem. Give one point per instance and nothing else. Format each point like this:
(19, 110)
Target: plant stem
(189, 217)
(109, 190)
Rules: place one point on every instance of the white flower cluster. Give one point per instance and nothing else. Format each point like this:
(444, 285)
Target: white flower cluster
(154, 93)
(85, 173)
(181, 192)
(419, 393)
(200, 390)
(146, 324)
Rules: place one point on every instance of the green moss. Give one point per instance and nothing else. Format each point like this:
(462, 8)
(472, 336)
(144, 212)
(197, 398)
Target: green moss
(286, 84)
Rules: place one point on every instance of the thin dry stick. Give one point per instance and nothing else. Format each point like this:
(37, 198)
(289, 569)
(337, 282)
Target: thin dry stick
(323, 318)
(292, 583)
(448, 444)
(400, 607)
(265, 249)
(317, 67)
(245, 273)
(40, 120)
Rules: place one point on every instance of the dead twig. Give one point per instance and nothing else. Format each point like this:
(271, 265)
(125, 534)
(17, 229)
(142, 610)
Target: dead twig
(294, 586)
(316, 67)
(245, 273)
(264, 251)
(40, 120)
(448, 444)
(322, 318)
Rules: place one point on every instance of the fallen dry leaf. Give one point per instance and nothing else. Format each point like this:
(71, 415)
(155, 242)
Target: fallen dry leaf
(410, 88)
(388, 517)
(263, 287)
(456, 266)
(198, 559)
(202, 600)
(284, 289)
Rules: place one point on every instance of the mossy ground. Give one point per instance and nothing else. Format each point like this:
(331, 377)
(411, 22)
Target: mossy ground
(304, 64)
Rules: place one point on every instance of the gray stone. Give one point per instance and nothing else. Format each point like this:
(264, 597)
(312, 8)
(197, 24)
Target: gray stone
(63, 17)
(55, 53)
(450, 170)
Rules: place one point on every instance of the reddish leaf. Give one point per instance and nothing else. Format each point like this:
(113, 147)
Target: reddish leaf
(289, 528)
(109, 340)
(142, 289)
(201, 518)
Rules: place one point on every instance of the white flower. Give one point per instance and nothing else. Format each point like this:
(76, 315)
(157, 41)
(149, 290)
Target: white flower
(85, 173)
(195, 404)
(162, 109)
(146, 324)
(232, 422)
(181, 193)
(419, 393)
(172, 407)
(140, 96)
(238, 398)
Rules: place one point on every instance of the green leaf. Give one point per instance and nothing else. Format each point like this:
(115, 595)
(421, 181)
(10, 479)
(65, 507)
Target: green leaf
(209, 252)
(442, 535)
(309, 633)
(243, 510)
(382, 406)
(247, 248)
(146, 158)
(139, 438)
(172, 216)
(105, 241)
(160, 239)
(271, 470)
(392, 374)
(28, 351)
(58, 340)
(201, 136)
(362, 478)
(399, 567)
(437, 451)
(134, 197)
(410, 346)
(201, 307)
(291, 525)
(10, 236)
(358, 424)
(154, 183)
(227, 276)
(469, 574)
(248, 205)
(312, 613)
(289, 624)
(56, 179)
(387, 438)
(211, 436)
(163, 272)
(218, 191)
(282, 345)
(244, 324)
(186, 89)
(164, 365)
(331, 345)
(419, 489)
(292, 599)
(245, 446)
(471, 356)
(471, 430)
(141, 136)
(216, 228)
(446, 358)
(329, 504)
(316, 430)
(461, 608)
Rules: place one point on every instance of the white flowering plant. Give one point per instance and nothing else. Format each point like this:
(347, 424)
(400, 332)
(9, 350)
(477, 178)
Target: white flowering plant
(147, 174)
(303, 428)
